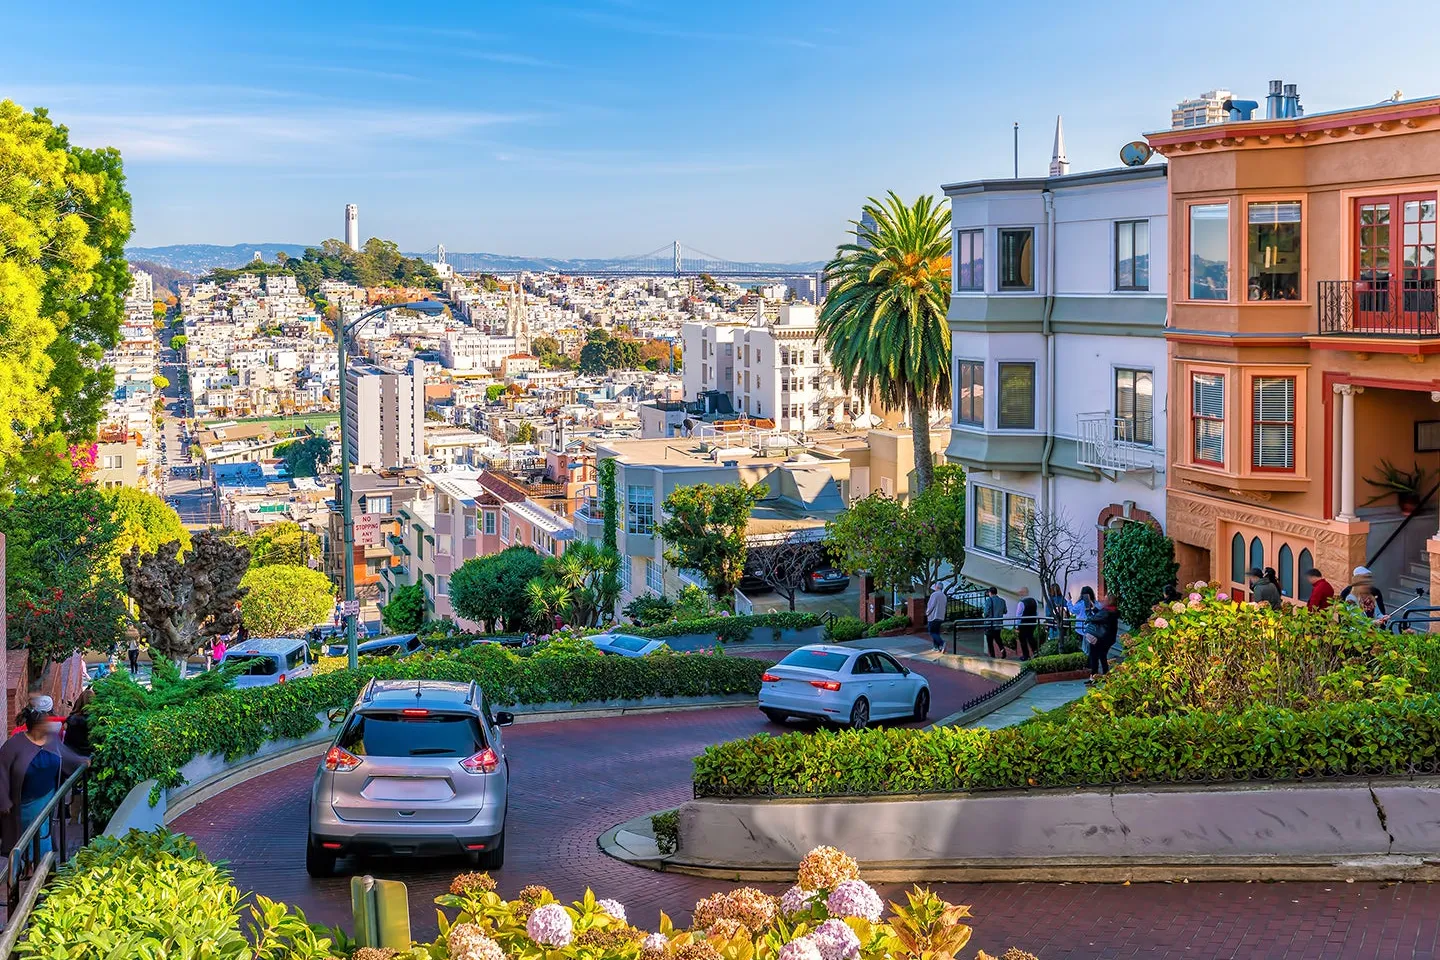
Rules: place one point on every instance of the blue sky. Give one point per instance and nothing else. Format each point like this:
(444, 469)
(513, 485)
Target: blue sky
(749, 130)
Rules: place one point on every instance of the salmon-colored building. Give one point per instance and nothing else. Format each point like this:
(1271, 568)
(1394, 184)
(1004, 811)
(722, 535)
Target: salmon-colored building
(1304, 347)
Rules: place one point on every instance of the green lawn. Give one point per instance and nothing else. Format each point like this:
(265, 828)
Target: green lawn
(284, 425)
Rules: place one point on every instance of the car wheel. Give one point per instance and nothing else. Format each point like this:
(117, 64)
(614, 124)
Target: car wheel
(860, 714)
(494, 858)
(318, 863)
(775, 716)
(922, 704)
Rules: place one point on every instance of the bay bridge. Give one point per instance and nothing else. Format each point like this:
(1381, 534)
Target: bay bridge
(672, 260)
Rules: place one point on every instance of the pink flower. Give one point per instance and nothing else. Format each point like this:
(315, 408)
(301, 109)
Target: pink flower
(855, 898)
(550, 926)
(803, 948)
(836, 941)
(1196, 596)
(1222, 597)
(1161, 623)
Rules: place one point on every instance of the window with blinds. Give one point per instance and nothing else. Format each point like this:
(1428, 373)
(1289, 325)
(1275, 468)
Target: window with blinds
(989, 520)
(1016, 409)
(970, 392)
(1207, 417)
(1273, 424)
(1134, 406)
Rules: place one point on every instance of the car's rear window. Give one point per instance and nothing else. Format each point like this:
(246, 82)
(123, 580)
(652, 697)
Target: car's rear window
(628, 643)
(256, 664)
(396, 735)
(815, 659)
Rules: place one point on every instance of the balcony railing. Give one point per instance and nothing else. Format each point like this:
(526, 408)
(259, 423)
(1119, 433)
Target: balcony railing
(1383, 308)
(1119, 444)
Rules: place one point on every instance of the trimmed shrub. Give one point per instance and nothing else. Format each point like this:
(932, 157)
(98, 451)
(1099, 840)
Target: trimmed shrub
(844, 629)
(1059, 663)
(729, 629)
(893, 622)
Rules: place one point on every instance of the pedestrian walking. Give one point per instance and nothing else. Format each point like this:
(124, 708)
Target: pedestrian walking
(1086, 612)
(1322, 594)
(33, 763)
(1108, 623)
(994, 613)
(77, 725)
(132, 650)
(217, 652)
(1361, 576)
(1028, 612)
(935, 609)
(1055, 610)
(1264, 588)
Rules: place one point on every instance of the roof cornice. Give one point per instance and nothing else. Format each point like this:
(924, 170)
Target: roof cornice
(1379, 118)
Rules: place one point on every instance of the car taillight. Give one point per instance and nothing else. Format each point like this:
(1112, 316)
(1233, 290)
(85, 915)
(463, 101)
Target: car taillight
(340, 761)
(826, 684)
(768, 678)
(414, 712)
(486, 761)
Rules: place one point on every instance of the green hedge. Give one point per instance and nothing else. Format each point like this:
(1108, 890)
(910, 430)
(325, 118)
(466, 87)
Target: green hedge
(1263, 743)
(154, 895)
(892, 622)
(135, 746)
(729, 629)
(1059, 663)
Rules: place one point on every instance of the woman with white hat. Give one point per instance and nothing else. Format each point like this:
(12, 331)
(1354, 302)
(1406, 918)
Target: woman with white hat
(33, 763)
(1370, 599)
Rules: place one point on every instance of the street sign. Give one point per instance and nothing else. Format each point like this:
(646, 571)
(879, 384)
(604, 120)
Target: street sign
(349, 608)
(367, 530)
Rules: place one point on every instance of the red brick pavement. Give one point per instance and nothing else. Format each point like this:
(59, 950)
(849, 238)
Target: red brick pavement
(573, 780)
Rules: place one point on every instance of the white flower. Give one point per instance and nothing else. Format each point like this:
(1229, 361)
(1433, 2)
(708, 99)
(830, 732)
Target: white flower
(613, 908)
(550, 926)
(468, 942)
(836, 941)
(654, 945)
(796, 899)
(803, 948)
(855, 898)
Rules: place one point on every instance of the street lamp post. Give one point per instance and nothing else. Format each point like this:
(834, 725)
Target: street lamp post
(343, 332)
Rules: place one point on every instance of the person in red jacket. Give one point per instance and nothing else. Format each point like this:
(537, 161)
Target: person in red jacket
(1321, 593)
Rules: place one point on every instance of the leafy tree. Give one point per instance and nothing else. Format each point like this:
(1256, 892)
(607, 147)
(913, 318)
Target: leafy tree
(609, 504)
(648, 610)
(282, 598)
(307, 457)
(182, 603)
(1138, 563)
(178, 341)
(782, 561)
(546, 600)
(704, 530)
(406, 609)
(491, 590)
(62, 592)
(160, 382)
(282, 543)
(525, 433)
(145, 521)
(598, 353)
(883, 321)
(494, 392)
(63, 279)
(902, 545)
(589, 577)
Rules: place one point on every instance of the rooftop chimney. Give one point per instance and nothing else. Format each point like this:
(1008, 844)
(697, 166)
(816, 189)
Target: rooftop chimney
(1292, 101)
(1275, 102)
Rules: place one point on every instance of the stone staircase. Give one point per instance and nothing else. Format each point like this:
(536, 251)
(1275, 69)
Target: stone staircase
(1415, 577)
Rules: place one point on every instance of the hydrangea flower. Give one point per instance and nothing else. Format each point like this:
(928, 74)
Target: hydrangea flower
(836, 941)
(467, 941)
(802, 948)
(654, 945)
(1222, 597)
(613, 908)
(550, 926)
(1161, 623)
(855, 898)
(796, 899)
(824, 868)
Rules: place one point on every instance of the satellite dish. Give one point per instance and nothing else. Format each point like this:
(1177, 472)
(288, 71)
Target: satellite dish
(1136, 153)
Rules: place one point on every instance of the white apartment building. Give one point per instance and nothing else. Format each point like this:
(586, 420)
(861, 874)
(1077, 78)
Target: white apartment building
(709, 351)
(466, 350)
(142, 290)
(1057, 321)
(387, 408)
(1200, 111)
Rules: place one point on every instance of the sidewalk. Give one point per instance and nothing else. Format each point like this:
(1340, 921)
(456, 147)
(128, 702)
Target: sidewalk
(1042, 697)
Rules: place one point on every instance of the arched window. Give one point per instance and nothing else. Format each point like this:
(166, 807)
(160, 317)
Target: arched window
(1286, 563)
(1306, 562)
(1237, 558)
(1257, 554)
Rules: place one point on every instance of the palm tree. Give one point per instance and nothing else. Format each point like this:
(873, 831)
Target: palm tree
(883, 321)
(546, 600)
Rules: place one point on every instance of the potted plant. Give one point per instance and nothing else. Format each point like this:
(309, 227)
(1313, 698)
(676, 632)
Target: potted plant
(1406, 485)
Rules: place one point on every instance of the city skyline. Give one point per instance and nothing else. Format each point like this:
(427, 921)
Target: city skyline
(608, 129)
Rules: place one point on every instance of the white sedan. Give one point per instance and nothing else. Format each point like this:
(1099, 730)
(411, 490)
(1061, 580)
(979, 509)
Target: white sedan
(624, 644)
(843, 685)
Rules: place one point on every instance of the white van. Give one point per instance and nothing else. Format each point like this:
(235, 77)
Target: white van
(270, 660)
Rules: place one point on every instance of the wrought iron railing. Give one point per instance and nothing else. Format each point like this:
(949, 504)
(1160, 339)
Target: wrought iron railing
(1394, 308)
(1106, 442)
(27, 864)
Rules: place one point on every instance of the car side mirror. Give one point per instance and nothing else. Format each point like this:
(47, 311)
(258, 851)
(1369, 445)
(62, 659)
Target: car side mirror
(503, 718)
(336, 715)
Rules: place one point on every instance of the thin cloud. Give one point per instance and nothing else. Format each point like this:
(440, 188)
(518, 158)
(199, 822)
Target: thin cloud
(654, 29)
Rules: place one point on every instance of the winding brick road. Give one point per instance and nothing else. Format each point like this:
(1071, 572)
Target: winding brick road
(573, 780)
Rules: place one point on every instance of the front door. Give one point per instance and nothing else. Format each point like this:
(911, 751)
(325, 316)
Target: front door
(1395, 264)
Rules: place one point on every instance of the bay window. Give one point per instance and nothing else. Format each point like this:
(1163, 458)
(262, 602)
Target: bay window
(970, 392)
(1273, 424)
(1207, 418)
(1017, 259)
(1002, 521)
(1273, 251)
(1210, 251)
(970, 260)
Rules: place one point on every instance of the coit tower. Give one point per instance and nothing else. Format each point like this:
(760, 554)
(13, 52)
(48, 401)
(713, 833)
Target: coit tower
(352, 226)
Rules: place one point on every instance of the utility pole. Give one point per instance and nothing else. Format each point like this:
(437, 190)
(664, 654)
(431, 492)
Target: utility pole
(1017, 149)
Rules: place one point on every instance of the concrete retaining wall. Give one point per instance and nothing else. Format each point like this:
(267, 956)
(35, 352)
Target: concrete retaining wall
(758, 636)
(1295, 821)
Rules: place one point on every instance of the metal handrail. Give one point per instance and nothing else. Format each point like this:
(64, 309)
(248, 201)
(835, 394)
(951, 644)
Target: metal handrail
(25, 855)
(1403, 524)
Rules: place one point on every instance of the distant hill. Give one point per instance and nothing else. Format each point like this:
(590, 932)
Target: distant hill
(167, 279)
(198, 258)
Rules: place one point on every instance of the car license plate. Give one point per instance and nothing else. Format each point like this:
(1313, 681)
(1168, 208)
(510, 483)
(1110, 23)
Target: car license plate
(409, 788)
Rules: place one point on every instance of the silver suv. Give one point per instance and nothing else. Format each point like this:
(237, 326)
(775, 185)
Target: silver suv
(418, 769)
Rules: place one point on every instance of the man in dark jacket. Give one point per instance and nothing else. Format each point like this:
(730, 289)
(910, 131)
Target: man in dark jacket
(1264, 589)
(994, 613)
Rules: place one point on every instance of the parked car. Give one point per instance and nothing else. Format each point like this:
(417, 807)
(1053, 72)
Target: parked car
(753, 586)
(826, 579)
(399, 645)
(418, 769)
(625, 644)
(844, 686)
(270, 660)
